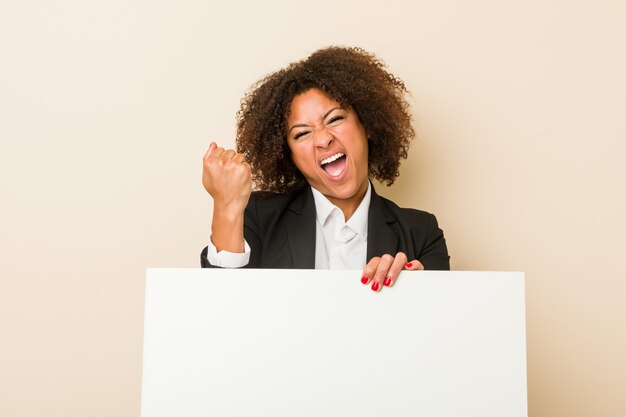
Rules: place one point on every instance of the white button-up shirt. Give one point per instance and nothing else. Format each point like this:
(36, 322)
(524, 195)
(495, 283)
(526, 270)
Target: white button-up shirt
(340, 244)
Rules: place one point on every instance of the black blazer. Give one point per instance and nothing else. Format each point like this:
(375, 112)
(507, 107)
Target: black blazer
(280, 230)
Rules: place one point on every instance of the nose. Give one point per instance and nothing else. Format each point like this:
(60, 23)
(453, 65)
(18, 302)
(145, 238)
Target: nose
(323, 137)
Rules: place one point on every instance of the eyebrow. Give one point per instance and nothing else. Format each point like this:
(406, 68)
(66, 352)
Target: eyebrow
(324, 117)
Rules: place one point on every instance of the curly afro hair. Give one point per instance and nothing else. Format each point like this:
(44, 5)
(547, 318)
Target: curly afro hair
(354, 78)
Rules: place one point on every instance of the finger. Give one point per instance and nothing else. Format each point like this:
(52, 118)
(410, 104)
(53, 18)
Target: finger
(248, 168)
(381, 271)
(212, 146)
(369, 270)
(216, 152)
(414, 265)
(228, 154)
(398, 263)
(239, 158)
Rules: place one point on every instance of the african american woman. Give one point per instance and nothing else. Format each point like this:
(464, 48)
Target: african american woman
(310, 137)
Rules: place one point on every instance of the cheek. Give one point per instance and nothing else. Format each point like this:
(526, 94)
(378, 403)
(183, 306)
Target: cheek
(363, 150)
(298, 156)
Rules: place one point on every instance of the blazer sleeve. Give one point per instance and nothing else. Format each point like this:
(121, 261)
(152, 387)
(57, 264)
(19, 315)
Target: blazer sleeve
(434, 252)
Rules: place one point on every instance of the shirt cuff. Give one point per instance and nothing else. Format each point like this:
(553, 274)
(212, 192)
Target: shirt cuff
(227, 259)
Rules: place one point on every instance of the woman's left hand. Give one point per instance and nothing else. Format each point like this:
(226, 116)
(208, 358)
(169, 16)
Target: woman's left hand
(383, 270)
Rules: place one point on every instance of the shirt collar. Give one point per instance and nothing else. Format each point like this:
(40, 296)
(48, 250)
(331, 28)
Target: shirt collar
(358, 221)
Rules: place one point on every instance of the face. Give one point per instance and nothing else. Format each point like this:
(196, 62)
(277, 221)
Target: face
(329, 146)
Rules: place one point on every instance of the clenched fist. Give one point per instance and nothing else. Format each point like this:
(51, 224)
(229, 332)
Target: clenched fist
(228, 178)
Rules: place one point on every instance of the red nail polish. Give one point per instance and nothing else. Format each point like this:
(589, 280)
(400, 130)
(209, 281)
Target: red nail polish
(410, 264)
(375, 286)
(364, 280)
(387, 282)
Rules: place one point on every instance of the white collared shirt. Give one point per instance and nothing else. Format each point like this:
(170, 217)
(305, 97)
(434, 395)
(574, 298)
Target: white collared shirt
(338, 244)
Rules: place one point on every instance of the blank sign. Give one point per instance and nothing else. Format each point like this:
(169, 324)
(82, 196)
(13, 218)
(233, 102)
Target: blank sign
(319, 343)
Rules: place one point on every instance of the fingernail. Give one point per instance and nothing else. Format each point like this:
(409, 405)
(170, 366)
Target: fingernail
(364, 280)
(387, 282)
(410, 264)
(375, 286)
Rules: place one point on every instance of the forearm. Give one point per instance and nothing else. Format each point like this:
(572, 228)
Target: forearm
(227, 230)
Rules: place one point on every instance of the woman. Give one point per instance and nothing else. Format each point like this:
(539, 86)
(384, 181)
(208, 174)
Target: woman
(309, 136)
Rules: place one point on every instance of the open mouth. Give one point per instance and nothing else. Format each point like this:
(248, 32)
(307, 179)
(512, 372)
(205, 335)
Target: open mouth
(334, 164)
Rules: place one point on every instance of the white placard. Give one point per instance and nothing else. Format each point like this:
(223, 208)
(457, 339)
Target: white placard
(304, 343)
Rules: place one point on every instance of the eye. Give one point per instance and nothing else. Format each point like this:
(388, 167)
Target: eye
(336, 119)
(300, 134)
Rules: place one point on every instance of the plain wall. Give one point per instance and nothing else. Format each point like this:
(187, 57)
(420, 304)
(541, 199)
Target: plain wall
(106, 109)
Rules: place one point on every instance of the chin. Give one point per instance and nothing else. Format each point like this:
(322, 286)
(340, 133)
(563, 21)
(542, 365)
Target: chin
(343, 191)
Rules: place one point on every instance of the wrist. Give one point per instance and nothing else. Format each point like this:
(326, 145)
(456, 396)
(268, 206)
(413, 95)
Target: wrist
(227, 231)
(228, 213)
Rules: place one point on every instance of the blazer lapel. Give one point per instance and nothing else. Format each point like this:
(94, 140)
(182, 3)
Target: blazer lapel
(381, 238)
(301, 230)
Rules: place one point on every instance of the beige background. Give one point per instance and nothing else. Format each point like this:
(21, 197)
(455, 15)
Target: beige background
(106, 109)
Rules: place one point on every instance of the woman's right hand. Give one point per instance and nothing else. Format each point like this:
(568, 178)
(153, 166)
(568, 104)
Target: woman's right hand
(228, 178)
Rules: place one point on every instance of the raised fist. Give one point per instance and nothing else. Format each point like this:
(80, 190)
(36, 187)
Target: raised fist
(228, 178)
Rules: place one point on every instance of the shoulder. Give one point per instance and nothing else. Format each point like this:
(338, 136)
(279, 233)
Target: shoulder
(265, 203)
(267, 197)
(407, 217)
(270, 199)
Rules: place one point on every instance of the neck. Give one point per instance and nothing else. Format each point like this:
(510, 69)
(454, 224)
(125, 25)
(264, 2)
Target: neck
(349, 205)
